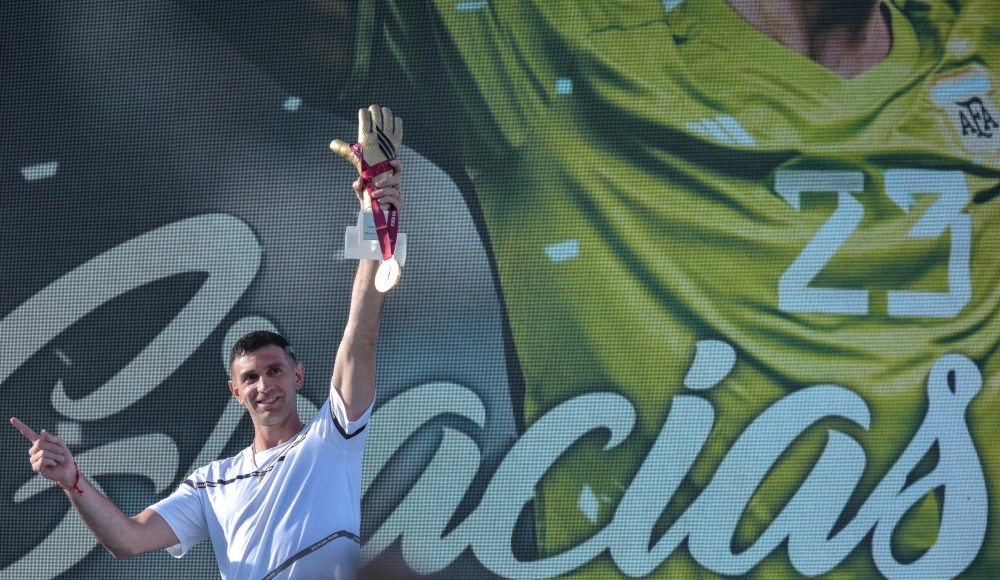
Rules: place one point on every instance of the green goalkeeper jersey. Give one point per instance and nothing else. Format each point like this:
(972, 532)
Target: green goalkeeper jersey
(654, 174)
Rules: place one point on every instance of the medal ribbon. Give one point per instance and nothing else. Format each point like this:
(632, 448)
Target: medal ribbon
(385, 227)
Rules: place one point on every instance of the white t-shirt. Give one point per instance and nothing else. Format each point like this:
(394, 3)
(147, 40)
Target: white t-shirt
(300, 520)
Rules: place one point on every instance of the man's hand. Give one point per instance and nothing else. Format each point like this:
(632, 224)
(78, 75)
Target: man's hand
(124, 537)
(388, 191)
(50, 457)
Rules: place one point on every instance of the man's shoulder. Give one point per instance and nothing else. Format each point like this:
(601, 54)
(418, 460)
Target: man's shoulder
(333, 425)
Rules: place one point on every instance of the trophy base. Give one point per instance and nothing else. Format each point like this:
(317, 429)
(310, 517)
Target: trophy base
(360, 242)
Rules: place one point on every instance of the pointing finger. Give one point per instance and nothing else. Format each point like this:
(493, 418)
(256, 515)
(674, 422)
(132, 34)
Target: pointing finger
(24, 429)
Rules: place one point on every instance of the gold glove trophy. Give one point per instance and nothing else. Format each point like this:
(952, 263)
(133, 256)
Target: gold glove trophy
(375, 236)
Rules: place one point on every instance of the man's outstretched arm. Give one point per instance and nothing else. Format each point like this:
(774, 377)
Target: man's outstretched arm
(354, 367)
(123, 536)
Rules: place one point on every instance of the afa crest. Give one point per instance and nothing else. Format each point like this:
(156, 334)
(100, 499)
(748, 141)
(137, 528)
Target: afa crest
(975, 119)
(967, 98)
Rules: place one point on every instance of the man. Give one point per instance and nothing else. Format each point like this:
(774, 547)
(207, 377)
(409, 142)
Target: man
(288, 506)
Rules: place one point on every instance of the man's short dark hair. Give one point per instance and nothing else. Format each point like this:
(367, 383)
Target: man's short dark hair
(257, 339)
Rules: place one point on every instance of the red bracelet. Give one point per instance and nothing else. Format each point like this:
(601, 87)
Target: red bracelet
(76, 484)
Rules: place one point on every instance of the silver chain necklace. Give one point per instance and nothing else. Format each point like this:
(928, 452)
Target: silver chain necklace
(267, 466)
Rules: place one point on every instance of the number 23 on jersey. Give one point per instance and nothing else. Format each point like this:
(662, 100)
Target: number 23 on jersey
(945, 215)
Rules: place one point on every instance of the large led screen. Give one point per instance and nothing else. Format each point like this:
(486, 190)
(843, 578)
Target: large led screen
(680, 300)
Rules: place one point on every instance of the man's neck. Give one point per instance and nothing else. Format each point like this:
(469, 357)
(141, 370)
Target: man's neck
(847, 37)
(268, 436)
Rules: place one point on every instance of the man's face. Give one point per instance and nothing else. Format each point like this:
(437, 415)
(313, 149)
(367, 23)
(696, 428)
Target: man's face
(265, 382)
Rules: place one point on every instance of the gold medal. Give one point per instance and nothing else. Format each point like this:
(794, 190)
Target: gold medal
(387, 275)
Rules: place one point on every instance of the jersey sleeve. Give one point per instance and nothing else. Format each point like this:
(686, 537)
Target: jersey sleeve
(332, 424)
(185, 514)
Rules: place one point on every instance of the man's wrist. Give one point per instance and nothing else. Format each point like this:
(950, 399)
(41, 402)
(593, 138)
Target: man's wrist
(76, 478)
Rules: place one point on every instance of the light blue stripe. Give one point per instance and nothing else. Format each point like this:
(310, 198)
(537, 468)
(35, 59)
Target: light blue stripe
(470, 5)
(716, 131)
(669, 5)
(960, 89)
(736, 131)
(563, 251)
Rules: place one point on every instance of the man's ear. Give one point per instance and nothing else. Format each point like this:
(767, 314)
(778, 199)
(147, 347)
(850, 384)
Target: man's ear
(235, 391)
(300, 374)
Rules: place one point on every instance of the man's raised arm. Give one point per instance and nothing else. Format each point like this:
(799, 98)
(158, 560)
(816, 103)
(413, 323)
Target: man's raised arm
(123, 536)
(354, 368)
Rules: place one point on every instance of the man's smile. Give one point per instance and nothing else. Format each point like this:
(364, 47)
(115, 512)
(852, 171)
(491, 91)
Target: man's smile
(268, 403)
